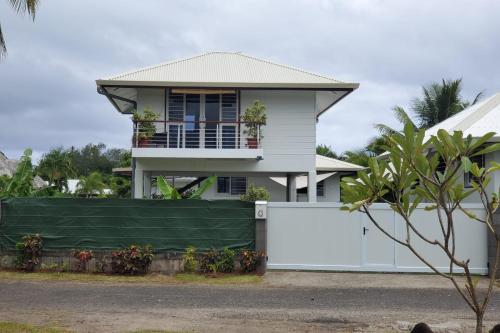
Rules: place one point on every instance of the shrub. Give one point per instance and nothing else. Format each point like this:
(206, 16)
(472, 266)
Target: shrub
(227, 257)
(255, 194)
(133, 260)
(250, 259)
(83, 257)
(215, 261)
(189, 258)
(29, 252)
(209, 260)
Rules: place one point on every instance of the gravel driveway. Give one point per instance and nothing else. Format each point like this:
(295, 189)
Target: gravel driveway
(93, 307)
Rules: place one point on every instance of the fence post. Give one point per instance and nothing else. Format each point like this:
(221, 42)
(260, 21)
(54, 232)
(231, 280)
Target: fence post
(261, 234)
(492, 243)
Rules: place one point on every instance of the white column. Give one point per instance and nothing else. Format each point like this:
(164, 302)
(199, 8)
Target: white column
(311, 186)
(147, 184)
(291, 182)
(138, 184)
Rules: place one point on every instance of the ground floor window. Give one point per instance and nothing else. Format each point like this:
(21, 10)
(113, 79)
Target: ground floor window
(469, 177)
(232, 185)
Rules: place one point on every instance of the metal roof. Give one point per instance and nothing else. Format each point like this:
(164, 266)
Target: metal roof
(225, 69)
(475, 120)
(324, 163)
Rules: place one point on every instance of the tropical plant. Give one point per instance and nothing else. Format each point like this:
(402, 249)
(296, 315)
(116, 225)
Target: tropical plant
(132, 260)
(83, 257)
(170, 193)
(29, 252)
(91, 186)
(96, 157)
(21, 7)
(145, 121)
(325, 150)
(21, 183)
(120, 187)
(254, 117)
(189, 259)
(432, 172)
(249, 260)
(56, 167)
(255, 193)
(439, 101)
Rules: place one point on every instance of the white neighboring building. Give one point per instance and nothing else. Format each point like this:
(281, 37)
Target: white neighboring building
(476, 120)
(200, 101)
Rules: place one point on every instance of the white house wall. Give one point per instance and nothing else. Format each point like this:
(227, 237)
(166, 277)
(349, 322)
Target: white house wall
(289, 136)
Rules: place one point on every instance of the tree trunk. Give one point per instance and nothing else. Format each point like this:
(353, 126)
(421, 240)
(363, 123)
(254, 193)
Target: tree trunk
(479, 322)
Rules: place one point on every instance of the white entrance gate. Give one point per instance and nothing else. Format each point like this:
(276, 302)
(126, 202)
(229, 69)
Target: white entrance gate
(320, 236)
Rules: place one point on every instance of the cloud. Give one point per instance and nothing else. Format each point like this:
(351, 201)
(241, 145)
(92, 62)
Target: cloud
(47, 89)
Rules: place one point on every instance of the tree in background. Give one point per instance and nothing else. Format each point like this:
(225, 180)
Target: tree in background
(413, 175)
(439, 101)
(21, 7)
(56, 167)
(120, 187)
(91, 186)
(325, 150)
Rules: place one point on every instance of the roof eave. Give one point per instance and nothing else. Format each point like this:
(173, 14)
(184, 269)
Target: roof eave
(256, 85)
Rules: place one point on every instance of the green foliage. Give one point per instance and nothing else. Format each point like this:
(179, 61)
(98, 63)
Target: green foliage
(133, 260)
(91, 186)
(256, 194)
(21, 183)
(121, 187)
(170, 193)
(327, 151)
(189, 258)
(146, 123)
(218, 261)
(249, 260)
(83, 257)
(254, 117)
(56, 167)
(430, 172)
(96, 157)
(29, 252)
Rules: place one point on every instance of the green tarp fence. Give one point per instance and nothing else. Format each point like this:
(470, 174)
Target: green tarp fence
(106, 224)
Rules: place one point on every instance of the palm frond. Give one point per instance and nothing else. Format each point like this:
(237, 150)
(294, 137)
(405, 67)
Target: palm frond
(476, 99)
(3, 48)
(384, 129)
(25, 6)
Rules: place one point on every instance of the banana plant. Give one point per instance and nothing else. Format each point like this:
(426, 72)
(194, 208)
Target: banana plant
(170, 193)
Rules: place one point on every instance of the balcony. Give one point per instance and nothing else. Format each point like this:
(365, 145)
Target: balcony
(196, 139)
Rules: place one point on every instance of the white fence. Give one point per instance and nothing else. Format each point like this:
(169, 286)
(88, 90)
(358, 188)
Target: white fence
(320, 236)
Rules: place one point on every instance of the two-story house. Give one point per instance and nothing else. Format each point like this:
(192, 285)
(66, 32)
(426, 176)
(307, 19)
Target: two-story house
(199, 130)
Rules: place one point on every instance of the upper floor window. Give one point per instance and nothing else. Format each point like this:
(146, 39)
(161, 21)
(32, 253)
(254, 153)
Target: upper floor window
(232, 185)
(468, 177)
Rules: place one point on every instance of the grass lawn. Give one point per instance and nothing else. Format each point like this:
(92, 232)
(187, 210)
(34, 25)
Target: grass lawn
(186, 278)
(6, 327)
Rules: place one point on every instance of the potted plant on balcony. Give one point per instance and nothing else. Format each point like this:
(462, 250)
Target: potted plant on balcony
(254, 117)
(146, 127)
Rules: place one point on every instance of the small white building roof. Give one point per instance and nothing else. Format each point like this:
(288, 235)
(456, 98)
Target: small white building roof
(324, 163)
(325, 168)
(476, 120)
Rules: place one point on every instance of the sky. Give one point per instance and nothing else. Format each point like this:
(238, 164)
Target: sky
(47, 81)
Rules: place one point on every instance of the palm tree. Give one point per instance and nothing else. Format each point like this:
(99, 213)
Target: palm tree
(439, 102)
(21, 7)
(90, 186)
(57, 167)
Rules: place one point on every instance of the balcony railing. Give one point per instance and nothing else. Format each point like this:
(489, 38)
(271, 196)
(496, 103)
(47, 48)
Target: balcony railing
(196, 134)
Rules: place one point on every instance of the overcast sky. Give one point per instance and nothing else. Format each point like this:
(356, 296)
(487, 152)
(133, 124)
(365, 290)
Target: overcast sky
(47, 82)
